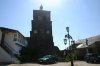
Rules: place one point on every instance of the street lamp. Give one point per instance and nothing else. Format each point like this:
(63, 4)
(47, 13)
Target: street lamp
(69, 37)
(65, 41)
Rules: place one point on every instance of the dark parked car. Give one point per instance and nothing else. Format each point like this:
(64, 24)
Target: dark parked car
(92, 57)
(48, 59)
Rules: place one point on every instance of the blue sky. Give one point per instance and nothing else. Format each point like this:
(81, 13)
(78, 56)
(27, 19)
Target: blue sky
(82, 16)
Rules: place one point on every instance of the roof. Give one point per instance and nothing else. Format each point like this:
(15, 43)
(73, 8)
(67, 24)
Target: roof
(94, 39)
(9, 30)
(91, 41)
(82, 46)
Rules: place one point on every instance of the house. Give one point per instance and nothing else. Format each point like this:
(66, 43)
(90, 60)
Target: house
(11, 41)
(89, 45)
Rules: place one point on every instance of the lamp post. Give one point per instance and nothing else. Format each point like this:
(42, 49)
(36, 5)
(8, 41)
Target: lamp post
(87, 51)
(67, 36)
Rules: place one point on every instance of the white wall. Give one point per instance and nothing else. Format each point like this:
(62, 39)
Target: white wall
(9, 39)
(15, 45)
(18, 48)
(4, 56)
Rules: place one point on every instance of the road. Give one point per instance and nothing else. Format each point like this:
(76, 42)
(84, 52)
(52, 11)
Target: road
(77, 63)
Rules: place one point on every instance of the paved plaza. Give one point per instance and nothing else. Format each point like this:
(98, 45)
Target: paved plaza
(77, 63)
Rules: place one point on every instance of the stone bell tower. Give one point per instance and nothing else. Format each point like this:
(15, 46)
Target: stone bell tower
(41, 39)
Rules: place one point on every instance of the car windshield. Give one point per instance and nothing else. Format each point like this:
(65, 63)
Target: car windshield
(91, 54)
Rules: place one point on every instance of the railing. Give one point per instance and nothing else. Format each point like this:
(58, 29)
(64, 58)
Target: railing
(8, 48)
(21, 42)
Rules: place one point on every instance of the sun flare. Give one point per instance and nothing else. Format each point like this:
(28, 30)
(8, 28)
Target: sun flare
(51, 3)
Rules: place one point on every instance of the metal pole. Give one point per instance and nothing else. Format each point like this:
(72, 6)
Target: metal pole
(87, 46)
(69, 37)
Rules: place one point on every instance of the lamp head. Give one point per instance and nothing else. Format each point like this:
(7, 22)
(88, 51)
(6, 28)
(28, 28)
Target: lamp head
(67, 28)
(65, 41)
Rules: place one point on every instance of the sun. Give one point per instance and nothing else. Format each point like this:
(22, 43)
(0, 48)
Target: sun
(51, 3)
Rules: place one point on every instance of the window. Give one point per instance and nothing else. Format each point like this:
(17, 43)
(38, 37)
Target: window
(15, 37)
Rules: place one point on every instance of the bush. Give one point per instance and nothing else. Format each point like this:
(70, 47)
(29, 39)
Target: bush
(71, 57)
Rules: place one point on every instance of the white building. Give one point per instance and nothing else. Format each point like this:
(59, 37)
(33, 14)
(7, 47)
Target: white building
(12, 41)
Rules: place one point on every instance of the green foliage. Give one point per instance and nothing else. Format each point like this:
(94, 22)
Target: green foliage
(71, 57)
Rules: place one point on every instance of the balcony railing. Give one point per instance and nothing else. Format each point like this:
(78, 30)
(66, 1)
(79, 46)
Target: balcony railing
(21, 42)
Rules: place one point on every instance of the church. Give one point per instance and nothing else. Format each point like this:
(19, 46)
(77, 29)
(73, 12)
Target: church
(41, 38)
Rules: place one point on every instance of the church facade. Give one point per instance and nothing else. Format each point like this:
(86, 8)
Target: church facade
(41, 38)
